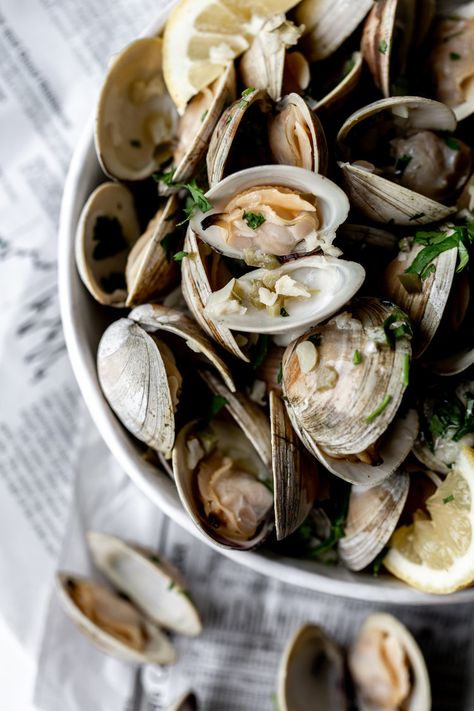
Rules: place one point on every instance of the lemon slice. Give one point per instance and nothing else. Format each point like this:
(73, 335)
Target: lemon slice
(436, 552)
(202, 36)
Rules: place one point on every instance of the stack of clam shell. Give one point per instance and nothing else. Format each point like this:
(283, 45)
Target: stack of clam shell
(258, 361)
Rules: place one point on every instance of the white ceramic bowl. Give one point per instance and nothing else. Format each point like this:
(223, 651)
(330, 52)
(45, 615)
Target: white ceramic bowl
(84, 321)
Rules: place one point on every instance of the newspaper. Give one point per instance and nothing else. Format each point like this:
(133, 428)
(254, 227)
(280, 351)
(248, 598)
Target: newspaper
(57, 480)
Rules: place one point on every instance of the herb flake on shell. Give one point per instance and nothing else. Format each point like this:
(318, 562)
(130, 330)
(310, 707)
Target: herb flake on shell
(379, 409)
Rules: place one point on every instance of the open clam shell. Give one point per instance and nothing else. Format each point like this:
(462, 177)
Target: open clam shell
(344, 86)
(376, 196)
(337, 403)
(153, 585)
(136, 118)
(149, 272)
(319, 287)
(155, 317)
(328, 23)
(295, 477)
(371, 519)
(133, 377)
(153, 646)
(332, 206)
(197, 285)
(106, 232)
(312, 673)
(425, 308)
(230, 504)
(388, 668)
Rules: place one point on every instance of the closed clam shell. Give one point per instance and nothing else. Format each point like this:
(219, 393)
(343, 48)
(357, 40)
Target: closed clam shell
(425, 309)
(363, 664)
(157, 650)
(106, 232)
(332, 205)
(311, 673)
(371, 519)
(155, 317)
(150, 582)
(149, 272)
(328, 23)
(134, 380)
(136, 118)
(342, 407)
(197, 287)
(230, 441)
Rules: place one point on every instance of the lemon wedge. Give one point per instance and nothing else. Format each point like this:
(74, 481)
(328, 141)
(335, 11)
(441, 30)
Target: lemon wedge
(202, 36)
(435, 553)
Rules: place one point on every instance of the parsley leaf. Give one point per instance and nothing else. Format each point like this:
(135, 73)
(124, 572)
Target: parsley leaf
(283, 312)
(179, 256)
(217, 403)
(378, 560)
(402, 163)
(448, 499)
(454, 56)
(280, 375)
(383, 46)
(196, 198)
(357, 357)
(397, 325)
(253, 219)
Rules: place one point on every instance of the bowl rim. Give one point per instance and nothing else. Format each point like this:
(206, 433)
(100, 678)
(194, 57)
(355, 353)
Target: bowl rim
(305, 574)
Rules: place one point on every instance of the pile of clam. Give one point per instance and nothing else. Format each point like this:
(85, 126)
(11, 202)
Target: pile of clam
(275, 347)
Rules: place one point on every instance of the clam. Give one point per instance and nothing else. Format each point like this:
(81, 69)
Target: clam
(253, 217)
(249, 133)
(407, 188)
(154, 586)
(107, 229)
(199, 276)
(263, 65)
(223, 484)
(425, 307)
(388, 668)
(451, 62)
(372, 516)
(343, 383)
(112, 623)
(342, 82)
(447, 424)
(140, 381)
(154, 318)
(198, 122)
(328, 23)
(290, 298)
(136, 118)
(312, 673)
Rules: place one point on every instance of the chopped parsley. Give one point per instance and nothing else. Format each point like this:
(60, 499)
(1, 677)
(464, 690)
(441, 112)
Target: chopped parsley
(203, 115)
(179, 256)
(406, 369)
(280, 374)
(171, 585)
(253, 219)
(379, 409)
(196, 198)
(166, 177)
(450, 413)
(246, 92)
(217, 403)
(336, 532)
(454, 56)
(383, 46)
(434, 244)
(283, 312)
(397, 325)
(357, 357)
(378, 560)
(261, 350)
(402, 163)
(448, 499)
(108, 236)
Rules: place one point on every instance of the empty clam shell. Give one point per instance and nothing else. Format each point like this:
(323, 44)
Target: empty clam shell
(222, 484)
(328, 23)
(371, 519)
(331, 203)
(149, 272)
(388, 668)
(98, 611)
(340, 403)
(136, 118)
(311, 673)
(425, 308)
(153, 585)
(292, 298)
(107, 230)
(133, 378)
(154, 317)
(197, 286)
